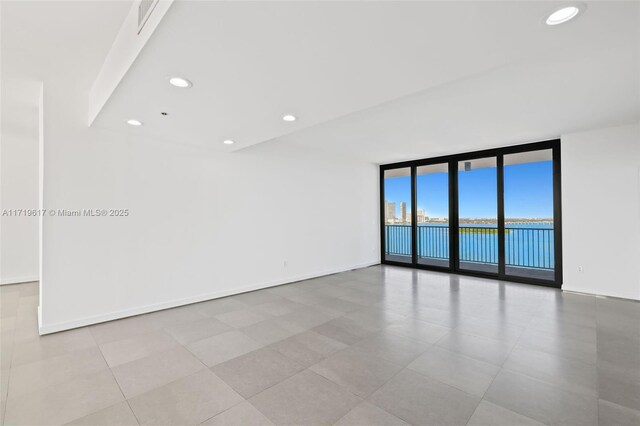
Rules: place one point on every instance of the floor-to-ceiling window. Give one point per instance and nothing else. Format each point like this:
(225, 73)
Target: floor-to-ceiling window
(432, 214)
(490, 213)
(528, 212)
(478, 214)
(396, 213)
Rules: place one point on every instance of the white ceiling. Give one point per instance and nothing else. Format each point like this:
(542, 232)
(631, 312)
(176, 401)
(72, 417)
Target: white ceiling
(381, 81)
(528, 102)
(58, 43)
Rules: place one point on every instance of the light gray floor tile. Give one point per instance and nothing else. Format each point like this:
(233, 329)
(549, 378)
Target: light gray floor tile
(369, 415)
(278, 307)
(148, 373)
(305, 399)
(541, 401)
(242, 318)
(552, 316)
(272, 330)
(333, 290)
(3, 404)
(287, 290)
(491, 328)
(126, 328)
(6, 349)
(64, 402)
(51, 371)
(565, 330)
(614, 414)
(51, 345)
(220, 306)
(392, 348)
(481, 348)
(26, 329)
(572, 375)
(187, 401)
(419, 400)
(362, 298)
(197, 330)
(174, 316)
(310, 298)
(459, 371)
(243, 414)
(623, 351)
(4, 383)
(556, 345)
(386, 313)
(418, 330)
(308, 348)
(127, 350)
(356, 371)
(374, 318)
(335, 306)
(618, 384)
(443, 317)
(223, 347)
(256, 371)
(307, 317)
(9, 304)
(117, 415)
(619, 322)
(345, 330)
(488, 414)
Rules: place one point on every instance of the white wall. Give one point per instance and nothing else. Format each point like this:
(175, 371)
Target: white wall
(601, 211)
(19, 190)
(201, 224)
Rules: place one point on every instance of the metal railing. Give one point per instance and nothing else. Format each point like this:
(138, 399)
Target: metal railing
(524, 247)
(478, 244)
(529, 247)
(433, 242)
(398, 240)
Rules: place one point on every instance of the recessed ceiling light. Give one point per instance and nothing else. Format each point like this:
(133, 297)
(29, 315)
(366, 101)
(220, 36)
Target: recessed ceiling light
(289, 117)
(134, 122)
(228, 142)
(180, 82)
(562, 15)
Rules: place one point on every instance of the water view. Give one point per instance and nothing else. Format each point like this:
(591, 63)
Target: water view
(528, 212)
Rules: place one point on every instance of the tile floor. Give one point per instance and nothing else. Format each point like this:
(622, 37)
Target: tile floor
(375, 346)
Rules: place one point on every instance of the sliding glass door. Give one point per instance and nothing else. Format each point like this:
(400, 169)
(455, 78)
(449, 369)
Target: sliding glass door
(478, 215)
(398, 239)
(432, 214)
(528, 209)
(493, 213)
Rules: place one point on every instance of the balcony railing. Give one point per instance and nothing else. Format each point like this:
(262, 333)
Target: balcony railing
(525, 247)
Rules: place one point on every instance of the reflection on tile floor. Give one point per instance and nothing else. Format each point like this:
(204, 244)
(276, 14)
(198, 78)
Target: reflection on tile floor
(375, 346)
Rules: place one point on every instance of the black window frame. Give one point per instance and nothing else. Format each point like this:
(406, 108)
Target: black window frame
(452, 161)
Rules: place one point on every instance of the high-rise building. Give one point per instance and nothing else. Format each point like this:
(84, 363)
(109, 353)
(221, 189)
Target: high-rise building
(420, 215)
(403, 211)
(389, 212)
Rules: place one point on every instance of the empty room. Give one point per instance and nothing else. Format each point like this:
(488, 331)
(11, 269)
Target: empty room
(303, 213)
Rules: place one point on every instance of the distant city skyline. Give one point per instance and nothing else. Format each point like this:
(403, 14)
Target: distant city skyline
(528, 193)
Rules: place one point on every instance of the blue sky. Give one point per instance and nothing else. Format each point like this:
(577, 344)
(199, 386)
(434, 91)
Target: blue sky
(528, 192)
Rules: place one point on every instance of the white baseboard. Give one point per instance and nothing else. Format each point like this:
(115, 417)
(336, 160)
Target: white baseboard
(83, 322)
(19, 280)
(610, 296)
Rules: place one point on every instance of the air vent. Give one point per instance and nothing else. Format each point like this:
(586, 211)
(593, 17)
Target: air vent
(145, 8)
